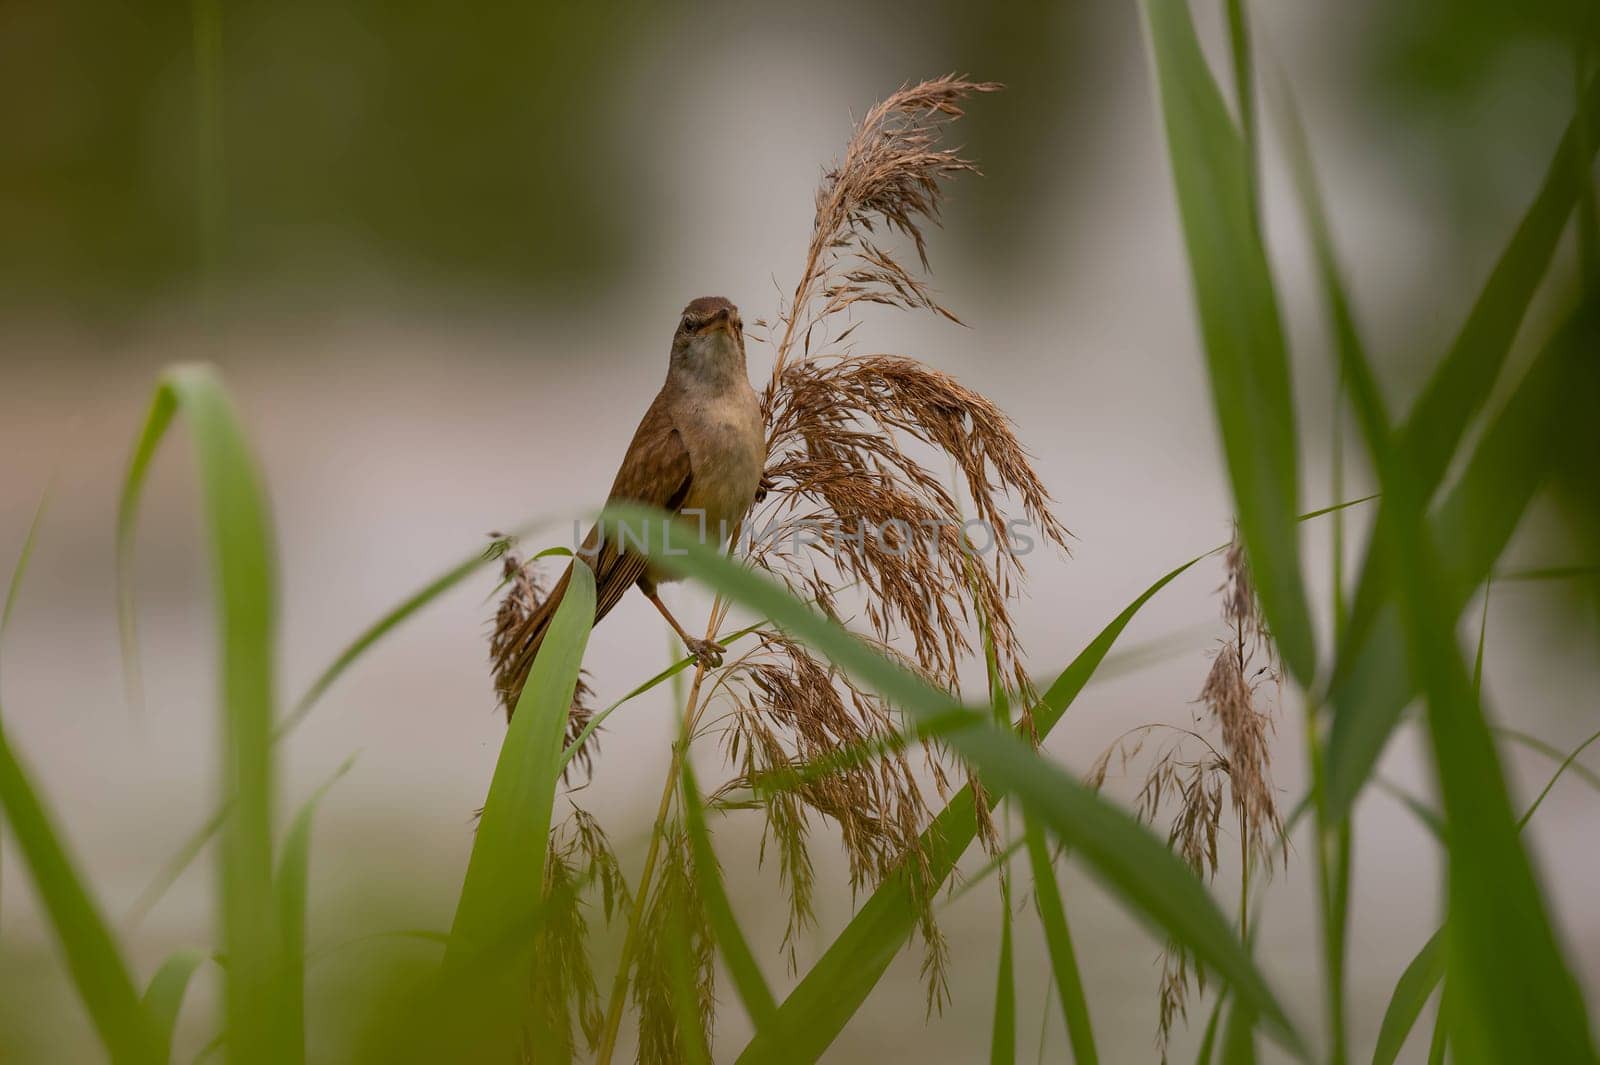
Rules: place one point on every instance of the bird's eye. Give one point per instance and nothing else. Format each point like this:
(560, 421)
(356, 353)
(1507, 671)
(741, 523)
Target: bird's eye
(689, 324)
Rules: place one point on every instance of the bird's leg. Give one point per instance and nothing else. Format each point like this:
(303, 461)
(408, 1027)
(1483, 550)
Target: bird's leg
(708, 652)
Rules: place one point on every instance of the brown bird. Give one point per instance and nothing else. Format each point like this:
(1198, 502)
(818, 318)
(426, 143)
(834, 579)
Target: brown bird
(699, 451)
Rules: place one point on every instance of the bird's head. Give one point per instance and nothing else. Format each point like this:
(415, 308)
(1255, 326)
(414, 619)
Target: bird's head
(709, 342)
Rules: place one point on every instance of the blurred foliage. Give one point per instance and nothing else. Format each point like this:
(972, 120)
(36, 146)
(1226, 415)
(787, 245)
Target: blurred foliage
(444, 142)
(1447, 77)
(1453, 48)
(1030, 145)
(437, 147)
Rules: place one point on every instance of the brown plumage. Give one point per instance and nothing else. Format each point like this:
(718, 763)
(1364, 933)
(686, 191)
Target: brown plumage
(699, 450)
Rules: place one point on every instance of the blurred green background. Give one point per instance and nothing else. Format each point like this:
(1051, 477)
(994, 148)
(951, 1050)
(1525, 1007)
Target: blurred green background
(520, 148)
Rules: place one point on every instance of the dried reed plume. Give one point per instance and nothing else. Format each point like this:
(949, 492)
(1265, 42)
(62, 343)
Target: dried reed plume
(1187, 771)
(857, 442)
(523, 594)
(849, 438)
(563, 987)
(677, 956)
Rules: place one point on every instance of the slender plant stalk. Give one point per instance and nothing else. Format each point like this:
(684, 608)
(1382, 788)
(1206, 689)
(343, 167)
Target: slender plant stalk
(1244, 883)
(1333, 871)
(630, 940)
(1436, 1044)
(1333, 883)
(1337, 532)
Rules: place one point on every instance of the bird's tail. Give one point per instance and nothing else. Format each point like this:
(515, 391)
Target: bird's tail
(519, 630)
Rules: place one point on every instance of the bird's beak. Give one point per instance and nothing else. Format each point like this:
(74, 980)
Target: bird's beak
(724, 322)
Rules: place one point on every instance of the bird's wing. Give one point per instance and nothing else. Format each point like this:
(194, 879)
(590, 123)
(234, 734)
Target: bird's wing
(655, 472)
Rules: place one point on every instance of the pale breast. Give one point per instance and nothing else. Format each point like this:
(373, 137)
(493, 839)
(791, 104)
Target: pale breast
(727, 452)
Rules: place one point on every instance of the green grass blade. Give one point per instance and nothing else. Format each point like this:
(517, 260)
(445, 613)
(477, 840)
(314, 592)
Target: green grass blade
(670, 673)
(505, 873)
(1471, 527)
(175, 866)
(93, 957)
(1003, 1033)
(243, 566)
(1347, 337)
(1426, 816)
(163, 998)
(1411, 993)
(14, 586)
(1566, 763)
(1440, 1025)
(1243, 337)
(1244, 96)
(1208, 1041)
(1517, 996)
(1239, 1036)
(736, 953)
(1427, 968)
(1462, 382)
(380, 628)
(1058, 938)
(1133, 863)
(294, 868)
(1534, 743)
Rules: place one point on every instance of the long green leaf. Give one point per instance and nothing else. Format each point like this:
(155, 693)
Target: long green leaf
(1458, 388)
(1058, 939)
(93, 957)
(736, 953)
(1239, 322)
(1455, 392)
(1518, 999)
(29, 541)
(380, 628)
(1425, 971)
(1239, 1035)
(243, 566)
(1208, 1041)
(473, 1010)
(503, 890)
(1551, 750)
(1411, 993)
(1134, 864)
(163, 998)
(294, 868)
(1471, 528)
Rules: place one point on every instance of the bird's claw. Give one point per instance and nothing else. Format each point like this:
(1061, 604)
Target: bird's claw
(707, 652)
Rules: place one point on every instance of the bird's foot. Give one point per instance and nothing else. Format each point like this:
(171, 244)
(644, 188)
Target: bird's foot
(707, 652)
